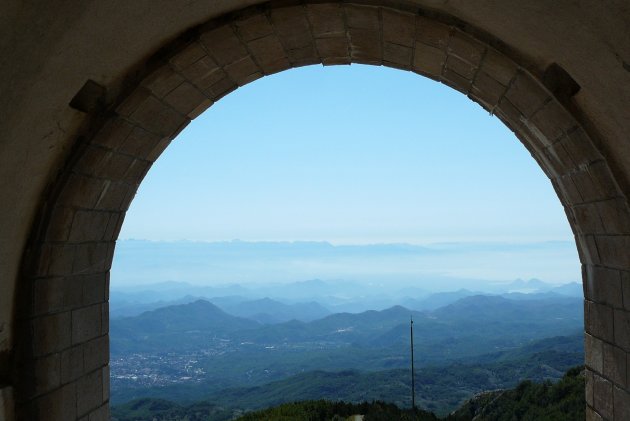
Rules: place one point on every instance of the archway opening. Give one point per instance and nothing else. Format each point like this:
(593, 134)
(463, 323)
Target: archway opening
(357, 202)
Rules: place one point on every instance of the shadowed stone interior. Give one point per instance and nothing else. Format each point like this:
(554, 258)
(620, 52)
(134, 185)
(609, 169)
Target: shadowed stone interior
(59, 369)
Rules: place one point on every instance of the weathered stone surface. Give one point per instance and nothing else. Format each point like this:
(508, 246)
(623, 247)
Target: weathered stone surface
(622, 404)
(594, 353)
(622, 329)
(428, 60)
(603, 396)
(526, 95)
(432, 33)
(326, 20)
(72, 364)
(185, 98)
(51, 333)
(89, 392)
(399, 28)
(223, 44)
(86, 323)
(615, 364)
(466, 48)
(253, 27)
(599, 318)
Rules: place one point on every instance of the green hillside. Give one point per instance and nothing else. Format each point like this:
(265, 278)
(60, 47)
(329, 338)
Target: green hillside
(529, 401)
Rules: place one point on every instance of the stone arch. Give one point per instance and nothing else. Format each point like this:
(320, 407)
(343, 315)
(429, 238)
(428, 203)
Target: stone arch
(62, 331)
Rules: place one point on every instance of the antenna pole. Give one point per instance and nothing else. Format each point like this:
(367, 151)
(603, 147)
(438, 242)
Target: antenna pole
(413, 380)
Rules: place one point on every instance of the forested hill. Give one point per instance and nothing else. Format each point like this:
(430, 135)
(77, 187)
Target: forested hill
(546, 401)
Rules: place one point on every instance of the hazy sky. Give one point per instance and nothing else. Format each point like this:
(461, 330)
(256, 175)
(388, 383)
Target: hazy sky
(350, 154)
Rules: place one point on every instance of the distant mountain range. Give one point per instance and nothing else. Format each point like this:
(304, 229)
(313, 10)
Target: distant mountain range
(309, 300)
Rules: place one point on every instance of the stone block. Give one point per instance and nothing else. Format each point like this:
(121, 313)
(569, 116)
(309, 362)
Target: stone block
(60, 222)
(487, 90)
(428, 60)
(625, 287)
(621, 400)
(96, 353)
(57, 405)
(499, 67)
(89, 392)
(622, 329)
(466, 48)
(139, 143)
(253, 27)
(363, 17)
(187, 56)
(591, 415)
(90, 258)
(331, 48)
(100, 414)
(461, 67)
(106, 378)
(93, 287)
(243, 71)
(269, 54)
(588, 387)
(580, 147)
(553, 121)
(594, 353)
(51, 333)
(207, 103)
(116, 196)
(603, 396)
(526, 95)
(304, 56)
(509, 114)
(86, 324)
(137, 171)
(399, 28)
(587, 249)
(397, 55)
(456, 81)
(113, 133)
(615, 215)
(185, 98)
(599, 320)
(158, 148)
(221, 88)
(156, 117)
(72, 364)
(613, 250)
(326, 21)
(162, 81)
(430, 32)
(292, 27)
(587, 218)
(89, 226)
(105, 318)
(365, 46)
(223, 45)
(557, 156)
(47, 372)
(604, 286)
(205, 72)
(56, 294)
(81, 191)
(615, 364)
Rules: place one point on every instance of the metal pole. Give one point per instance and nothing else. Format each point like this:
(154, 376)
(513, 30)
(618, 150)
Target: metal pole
(413, 381)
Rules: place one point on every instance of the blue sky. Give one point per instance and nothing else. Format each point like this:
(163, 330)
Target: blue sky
(350, 155)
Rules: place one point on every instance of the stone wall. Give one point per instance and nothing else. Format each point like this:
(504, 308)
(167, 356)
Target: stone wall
(61, 368)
